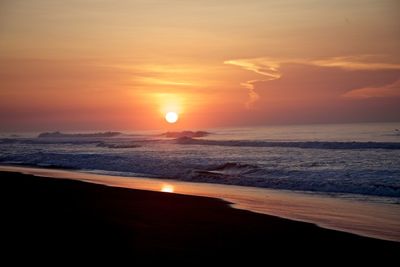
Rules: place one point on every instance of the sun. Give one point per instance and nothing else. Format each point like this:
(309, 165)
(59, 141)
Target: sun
(171, 117)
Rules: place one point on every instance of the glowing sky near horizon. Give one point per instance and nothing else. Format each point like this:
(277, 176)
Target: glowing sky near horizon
(89, 65)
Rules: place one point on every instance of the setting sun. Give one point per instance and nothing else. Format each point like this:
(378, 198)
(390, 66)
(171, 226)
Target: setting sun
(209, 123)
(171, 117)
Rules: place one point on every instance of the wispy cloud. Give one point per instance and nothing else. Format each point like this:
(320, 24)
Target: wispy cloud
(354, 63)
(159, 76)
(270, 69)
(389, 90)
(158, 81)
(263, 66)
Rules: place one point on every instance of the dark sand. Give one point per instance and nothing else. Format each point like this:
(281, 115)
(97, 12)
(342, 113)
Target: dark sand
(67, 219)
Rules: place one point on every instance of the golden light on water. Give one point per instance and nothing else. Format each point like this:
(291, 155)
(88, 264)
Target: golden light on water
(167, 188)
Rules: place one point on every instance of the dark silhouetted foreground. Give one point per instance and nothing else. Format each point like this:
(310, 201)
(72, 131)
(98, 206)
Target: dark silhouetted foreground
(67, 219)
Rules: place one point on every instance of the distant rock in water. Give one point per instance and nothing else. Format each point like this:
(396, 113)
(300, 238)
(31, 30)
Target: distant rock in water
(189, 134)
(77, 135)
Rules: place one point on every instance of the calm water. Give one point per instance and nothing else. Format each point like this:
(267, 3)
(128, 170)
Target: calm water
(349, 160)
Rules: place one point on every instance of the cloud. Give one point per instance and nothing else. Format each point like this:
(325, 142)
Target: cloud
(389, 90)
(354, 63)
(263, 66)
(165, 76)
(159, 81)
(270, 69)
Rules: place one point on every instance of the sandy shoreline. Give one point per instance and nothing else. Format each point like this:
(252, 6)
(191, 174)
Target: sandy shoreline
(378, 220)
(66, 217)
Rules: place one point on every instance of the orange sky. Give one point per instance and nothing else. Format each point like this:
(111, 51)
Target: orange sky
(98, 65)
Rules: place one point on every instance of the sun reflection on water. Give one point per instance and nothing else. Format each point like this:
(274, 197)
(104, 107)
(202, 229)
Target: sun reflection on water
(167, 188)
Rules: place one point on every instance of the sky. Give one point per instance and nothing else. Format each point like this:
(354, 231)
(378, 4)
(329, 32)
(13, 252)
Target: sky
(121, 65)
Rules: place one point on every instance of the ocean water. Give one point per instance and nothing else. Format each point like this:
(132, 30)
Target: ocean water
(346, 160)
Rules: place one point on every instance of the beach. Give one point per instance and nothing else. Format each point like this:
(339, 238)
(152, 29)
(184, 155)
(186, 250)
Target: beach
(71, 219)
(210, 133)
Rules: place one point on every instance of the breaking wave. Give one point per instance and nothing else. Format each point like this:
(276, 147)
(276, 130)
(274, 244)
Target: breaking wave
(367, 166)
(305, 144)
(78, 135)
(118, 145)
(189, 134)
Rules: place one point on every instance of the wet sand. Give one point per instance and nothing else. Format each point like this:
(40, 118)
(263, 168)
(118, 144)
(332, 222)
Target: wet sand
(71, 219)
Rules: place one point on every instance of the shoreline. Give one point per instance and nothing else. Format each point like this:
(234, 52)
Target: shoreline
(374, 220)
(63, 217)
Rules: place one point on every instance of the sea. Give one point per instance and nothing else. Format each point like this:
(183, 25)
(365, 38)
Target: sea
(359, 161)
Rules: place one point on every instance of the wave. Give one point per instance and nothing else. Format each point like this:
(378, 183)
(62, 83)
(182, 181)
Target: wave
(368, 180)
(99, 142)
(234, 168)
(77, 135)
(39, 141)
(117, 145)
(189, 134)
(294, 144)
(312, 181)
(367, 168)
